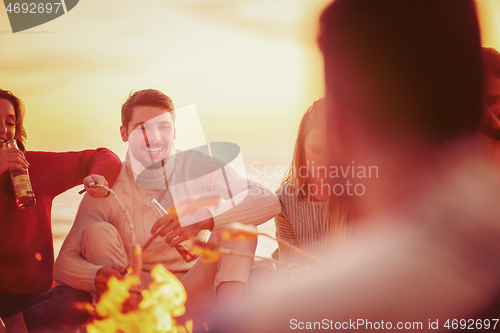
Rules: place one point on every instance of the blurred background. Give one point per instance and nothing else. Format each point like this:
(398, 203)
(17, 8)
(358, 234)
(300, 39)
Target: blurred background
(251, 67)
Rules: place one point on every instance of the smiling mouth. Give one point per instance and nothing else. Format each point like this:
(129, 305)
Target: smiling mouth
(153, 150)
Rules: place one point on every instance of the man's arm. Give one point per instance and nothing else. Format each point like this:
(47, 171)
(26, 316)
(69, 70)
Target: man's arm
(256, 207)
(245, 201)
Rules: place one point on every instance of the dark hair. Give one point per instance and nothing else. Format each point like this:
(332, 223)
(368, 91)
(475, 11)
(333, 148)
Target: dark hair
(20, 134)
(491, 61)
(146, 97)
(412, 65)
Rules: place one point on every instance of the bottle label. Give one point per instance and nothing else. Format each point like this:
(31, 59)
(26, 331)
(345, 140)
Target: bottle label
(22, 186)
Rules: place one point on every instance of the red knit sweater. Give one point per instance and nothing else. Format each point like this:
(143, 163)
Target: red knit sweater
(26, 249)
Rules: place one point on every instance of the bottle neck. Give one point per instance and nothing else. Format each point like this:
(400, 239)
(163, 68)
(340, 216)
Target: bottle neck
(12, 144)
(8, 144)
(158, 209)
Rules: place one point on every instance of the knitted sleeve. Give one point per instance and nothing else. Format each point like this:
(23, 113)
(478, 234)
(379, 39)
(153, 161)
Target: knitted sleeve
(245, 201)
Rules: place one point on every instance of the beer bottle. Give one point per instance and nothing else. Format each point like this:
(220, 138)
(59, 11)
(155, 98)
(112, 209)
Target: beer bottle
(184, 247)
(25, 198)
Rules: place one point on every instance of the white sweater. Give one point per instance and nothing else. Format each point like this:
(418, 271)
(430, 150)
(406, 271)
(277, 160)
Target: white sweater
(187, 173)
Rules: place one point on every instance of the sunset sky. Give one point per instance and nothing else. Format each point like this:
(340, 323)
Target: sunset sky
(251, 67)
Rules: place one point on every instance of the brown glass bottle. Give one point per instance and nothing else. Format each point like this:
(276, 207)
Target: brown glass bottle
(25, 198)
(184, 247)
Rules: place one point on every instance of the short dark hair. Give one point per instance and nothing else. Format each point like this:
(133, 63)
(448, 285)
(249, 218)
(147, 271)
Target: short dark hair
(412, 65)
(21, 134)
(491, 61)
(146, 97)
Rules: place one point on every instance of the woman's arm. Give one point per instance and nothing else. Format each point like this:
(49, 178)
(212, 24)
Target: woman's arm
(59, 172)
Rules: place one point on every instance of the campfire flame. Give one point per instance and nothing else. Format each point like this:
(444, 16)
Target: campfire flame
(208, 253)
(162, 302)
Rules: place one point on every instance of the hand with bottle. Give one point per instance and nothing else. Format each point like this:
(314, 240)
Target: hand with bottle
(16, 163)
(174, 233)
(12, 158)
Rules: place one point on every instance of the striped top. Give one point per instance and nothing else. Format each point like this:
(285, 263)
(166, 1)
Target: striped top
(308, 225)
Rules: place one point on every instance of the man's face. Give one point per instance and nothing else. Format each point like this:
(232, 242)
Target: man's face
(150, 134)
(491, 115)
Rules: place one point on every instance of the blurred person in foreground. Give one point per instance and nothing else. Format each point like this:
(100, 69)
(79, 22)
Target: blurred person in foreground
(404, 92)
(491, 101)
(27, 300)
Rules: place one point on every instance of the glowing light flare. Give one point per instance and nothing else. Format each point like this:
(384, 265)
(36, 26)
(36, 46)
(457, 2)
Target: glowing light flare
(238, 231)
(161, 303)
(208, 253)
(285, 11)
(38, 256)
(118, 292)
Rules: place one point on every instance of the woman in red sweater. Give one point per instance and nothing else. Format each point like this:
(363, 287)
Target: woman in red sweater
(26, 248)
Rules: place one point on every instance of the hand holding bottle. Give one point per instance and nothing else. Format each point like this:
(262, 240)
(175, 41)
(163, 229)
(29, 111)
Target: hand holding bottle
(174, 233)
(169, 224)
(25, 198)
(12, 158)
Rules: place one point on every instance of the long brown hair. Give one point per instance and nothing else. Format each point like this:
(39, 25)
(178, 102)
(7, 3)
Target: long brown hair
(336, 212)
(20, 135)
(292, 175)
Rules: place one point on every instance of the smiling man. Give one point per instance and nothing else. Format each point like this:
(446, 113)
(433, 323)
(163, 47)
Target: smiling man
(150, 145)
(99, 244)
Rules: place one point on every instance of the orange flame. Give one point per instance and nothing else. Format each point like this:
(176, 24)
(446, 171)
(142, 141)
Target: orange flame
(238, 231)
(208, 252)
(163, 301)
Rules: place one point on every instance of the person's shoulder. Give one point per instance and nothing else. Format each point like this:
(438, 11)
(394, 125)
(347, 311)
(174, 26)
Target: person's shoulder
(124, 177)
(37, 154)
(45, 156)
(287, 191)
(59, 156)
(288, 196)
(196, 163)
(192, 156)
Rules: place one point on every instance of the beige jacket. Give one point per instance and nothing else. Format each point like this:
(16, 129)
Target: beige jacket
(256, 206)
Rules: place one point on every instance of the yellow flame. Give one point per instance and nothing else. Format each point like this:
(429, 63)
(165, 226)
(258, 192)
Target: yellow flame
(208, 252)
(163, 301)
(237, 231)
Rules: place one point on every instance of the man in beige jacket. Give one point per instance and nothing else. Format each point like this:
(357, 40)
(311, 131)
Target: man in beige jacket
(99, 244)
